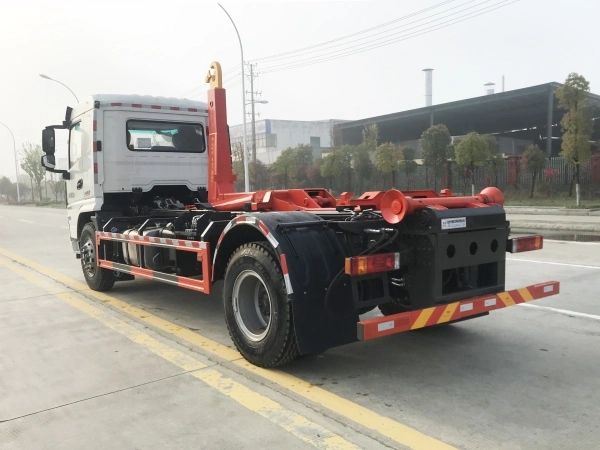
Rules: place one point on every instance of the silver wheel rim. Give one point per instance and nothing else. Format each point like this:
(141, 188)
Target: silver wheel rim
(252, 305)
(88, 257)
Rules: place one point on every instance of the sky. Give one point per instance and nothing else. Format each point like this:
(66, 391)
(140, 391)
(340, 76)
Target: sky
(165, 48)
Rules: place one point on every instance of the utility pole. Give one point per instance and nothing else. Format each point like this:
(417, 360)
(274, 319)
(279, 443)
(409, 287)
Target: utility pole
(253, 113)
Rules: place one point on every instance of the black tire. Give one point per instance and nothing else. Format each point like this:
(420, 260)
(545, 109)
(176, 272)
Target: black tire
(98, 279)
(255, 277)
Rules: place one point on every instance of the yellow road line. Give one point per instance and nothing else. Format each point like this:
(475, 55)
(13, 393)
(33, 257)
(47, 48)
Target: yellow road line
(290, 421)
(385, 426)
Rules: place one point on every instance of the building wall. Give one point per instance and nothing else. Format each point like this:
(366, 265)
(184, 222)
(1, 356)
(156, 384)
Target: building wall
(274, 136)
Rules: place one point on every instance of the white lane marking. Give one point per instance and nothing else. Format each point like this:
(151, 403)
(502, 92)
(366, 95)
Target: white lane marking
(554, 263)
(27, 221)
(565, 312)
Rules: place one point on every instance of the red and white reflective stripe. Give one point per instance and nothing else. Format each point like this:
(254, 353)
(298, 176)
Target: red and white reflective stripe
(286, 275)
(178, 243)
(268, 234)
(247, 219)
(228, 227)
(157, 107)
(184, 282)
(435, 315)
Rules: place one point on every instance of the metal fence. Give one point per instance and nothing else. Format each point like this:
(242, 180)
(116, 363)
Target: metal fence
(557, 174)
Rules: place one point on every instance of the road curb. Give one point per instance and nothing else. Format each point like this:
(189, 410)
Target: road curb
(593, 228)
(551, 211)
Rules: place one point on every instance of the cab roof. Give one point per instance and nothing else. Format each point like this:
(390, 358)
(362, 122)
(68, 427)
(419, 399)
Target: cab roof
(140, 101)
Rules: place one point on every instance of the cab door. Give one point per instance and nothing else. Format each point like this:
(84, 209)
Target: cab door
(80, 186)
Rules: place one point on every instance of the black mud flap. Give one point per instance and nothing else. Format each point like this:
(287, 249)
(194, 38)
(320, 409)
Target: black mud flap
(314, 256)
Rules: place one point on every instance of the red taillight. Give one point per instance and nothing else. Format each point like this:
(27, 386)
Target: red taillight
(362, 265)
(526, 244)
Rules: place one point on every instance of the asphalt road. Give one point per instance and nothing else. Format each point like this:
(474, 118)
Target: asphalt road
(151, 366)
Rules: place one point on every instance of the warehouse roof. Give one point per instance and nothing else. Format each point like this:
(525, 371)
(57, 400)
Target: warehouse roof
(520, 109)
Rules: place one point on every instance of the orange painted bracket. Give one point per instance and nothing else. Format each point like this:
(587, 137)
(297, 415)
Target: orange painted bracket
(412, 320)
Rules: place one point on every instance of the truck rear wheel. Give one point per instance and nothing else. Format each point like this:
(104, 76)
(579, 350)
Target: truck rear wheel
(258, 314)
(98, 279)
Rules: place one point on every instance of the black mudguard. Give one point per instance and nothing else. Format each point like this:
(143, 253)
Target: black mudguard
(314, 255)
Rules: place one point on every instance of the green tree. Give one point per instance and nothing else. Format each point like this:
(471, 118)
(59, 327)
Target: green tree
(471, 152)
(435, 142)
(496, 159)
(370, 135)
(408, 165)
(577, 123)
(259, 174)
(387, 159)
(30, 163)
(363, 166)
(237, 162)
(292, 166)
(335, 165)
(285, 166)
(6, 187)
(534, 163)
(57, 185)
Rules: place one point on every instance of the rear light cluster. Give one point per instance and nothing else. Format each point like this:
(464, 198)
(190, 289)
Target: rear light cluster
(525, 244)
(362, 265)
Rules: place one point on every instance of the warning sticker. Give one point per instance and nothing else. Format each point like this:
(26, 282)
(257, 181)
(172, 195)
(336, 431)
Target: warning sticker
(454, 223)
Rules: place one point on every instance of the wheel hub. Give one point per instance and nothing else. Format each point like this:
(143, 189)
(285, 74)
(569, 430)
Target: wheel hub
(88, 257)
(252, 305)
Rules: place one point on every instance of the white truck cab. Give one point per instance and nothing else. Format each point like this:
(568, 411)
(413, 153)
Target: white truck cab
(130, 151)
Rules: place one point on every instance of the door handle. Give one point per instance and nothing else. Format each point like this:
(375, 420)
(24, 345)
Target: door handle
(79, 184)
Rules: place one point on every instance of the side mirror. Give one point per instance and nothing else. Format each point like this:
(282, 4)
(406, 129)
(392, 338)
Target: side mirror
(48, 161)
(48, 145)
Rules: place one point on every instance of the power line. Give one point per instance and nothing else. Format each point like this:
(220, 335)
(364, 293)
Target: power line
(318, 58)
(379, 42)
(387, 32)
(358, 32)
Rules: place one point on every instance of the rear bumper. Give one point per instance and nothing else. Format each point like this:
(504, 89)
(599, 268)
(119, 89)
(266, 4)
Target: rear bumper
(421, 318)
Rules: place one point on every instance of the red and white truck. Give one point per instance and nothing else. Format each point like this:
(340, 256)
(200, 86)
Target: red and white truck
(150, 194)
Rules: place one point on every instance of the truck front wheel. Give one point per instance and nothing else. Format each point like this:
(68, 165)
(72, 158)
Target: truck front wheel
(98, 279)
(257, 311)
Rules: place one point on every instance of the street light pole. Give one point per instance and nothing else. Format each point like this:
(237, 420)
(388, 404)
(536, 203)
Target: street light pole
(246, 176)
(46, 77)
(16, 161)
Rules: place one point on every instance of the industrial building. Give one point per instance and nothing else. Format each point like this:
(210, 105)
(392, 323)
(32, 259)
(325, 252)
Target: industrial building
(517, 118)
(274, 136)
